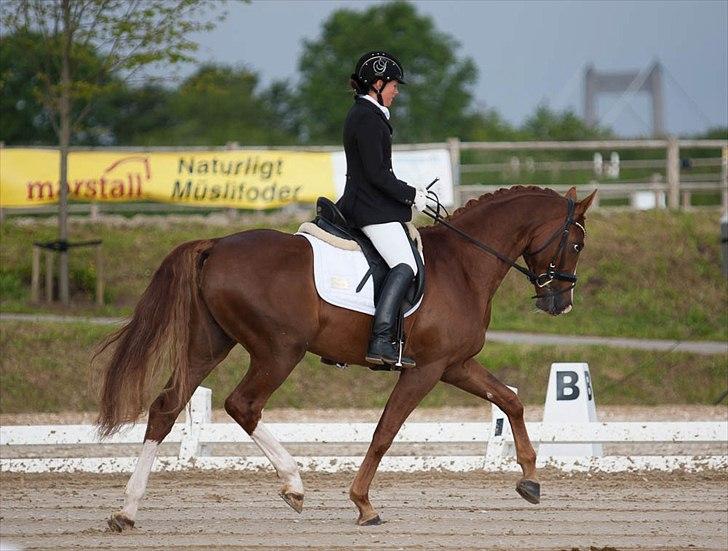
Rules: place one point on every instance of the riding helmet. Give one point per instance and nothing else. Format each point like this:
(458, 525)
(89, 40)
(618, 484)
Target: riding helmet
(376, 65)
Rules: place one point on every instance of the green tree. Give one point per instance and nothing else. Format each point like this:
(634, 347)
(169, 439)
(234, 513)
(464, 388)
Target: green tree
(27, 117)
(434, 104)
(714, 133)
(220, 104)
(127, 35)
(489, 126)
(546, 124)
(135, 115)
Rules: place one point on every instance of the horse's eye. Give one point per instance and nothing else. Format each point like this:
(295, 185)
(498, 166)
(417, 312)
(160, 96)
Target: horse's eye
(577, 247)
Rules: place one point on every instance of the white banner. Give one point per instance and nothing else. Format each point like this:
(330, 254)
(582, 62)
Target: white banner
(414, 167)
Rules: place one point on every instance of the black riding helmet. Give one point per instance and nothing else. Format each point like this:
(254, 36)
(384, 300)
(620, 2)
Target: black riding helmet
(374, 66)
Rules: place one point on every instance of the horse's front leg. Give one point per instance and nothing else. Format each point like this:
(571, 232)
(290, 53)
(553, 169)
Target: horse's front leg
(475, 379)
(412, 386)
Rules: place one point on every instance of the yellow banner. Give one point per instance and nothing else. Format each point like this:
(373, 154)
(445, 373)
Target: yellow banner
(245, 179)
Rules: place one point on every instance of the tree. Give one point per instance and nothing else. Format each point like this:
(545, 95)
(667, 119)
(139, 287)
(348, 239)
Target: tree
(546, 124)
(136, 116)
(127, 35)
(24, 119)
(488, 125)
(220, 104)
(436, 100)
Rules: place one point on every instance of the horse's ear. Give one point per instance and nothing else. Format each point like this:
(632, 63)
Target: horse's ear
(571, 194)
(585, 203)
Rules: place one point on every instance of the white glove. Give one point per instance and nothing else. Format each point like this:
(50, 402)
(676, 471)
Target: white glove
(420, 201)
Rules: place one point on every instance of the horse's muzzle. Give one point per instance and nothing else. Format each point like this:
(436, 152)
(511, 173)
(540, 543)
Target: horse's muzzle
(553, 305)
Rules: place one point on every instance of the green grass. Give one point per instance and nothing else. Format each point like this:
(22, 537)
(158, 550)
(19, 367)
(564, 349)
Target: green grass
(47, 367)
(652, 274)
(649, 274)
(642, 274)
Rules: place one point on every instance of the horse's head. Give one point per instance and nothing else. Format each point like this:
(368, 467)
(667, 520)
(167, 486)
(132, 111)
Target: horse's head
(552, 255)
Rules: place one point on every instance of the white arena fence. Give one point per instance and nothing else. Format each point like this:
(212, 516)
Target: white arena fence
(197, 432)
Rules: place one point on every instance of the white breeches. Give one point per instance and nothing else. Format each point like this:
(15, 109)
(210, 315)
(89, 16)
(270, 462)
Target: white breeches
(392, 243)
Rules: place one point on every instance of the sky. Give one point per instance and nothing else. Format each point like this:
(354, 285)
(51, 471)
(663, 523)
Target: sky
(527, 53)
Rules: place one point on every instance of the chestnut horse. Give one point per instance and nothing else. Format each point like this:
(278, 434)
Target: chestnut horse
(256, 288)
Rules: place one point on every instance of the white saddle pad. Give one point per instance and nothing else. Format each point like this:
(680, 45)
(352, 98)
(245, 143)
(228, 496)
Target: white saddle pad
(337, 274)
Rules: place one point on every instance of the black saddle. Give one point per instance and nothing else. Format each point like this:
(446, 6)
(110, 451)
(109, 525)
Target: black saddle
(330, 220)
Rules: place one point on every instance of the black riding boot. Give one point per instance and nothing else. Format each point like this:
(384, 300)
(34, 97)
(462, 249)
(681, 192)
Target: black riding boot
(382, 348)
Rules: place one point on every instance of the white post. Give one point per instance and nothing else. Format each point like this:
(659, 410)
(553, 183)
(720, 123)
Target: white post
(569, 400)
(598, 164)
(199, 411)
(613, 169)
(453, 146)
(500, 444)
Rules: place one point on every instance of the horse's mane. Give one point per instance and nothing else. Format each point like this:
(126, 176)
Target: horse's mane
(502, 193)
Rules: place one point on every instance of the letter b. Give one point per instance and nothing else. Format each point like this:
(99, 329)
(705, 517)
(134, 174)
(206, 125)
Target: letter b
(566, 388)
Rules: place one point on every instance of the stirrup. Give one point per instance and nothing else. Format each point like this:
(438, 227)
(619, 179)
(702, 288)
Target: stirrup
(388, 354)
(403, 362)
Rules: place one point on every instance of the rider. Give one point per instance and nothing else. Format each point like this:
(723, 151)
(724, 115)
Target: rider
(374, 199)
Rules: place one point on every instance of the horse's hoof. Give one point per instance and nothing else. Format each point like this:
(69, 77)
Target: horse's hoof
(118, 522)
(294, 500)
(530, 490)
(374, 521)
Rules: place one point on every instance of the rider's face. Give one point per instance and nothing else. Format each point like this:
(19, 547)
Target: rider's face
(391, 89)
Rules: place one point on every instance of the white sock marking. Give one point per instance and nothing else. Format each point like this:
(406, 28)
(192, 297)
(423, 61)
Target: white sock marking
(137, 484)
(284, 464)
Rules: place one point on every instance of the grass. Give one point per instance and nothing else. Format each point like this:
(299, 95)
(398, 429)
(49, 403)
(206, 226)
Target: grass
(652, 274)
(47, 367)
(649, 274)
(643, 274)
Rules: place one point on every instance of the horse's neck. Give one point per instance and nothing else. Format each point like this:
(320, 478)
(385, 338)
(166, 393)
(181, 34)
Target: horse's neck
(505, 226)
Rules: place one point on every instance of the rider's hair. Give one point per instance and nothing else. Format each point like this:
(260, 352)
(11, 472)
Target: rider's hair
(358, 86)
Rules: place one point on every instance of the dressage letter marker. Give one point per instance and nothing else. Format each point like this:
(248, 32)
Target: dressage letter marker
(569, 399)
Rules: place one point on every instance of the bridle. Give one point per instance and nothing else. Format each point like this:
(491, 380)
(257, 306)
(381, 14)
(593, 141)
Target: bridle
(539, 280)
(551, 274)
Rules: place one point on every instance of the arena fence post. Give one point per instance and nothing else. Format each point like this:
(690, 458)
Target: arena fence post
(500, 444)
(199, 412)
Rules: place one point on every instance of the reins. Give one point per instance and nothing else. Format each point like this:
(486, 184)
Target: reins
(540, 280)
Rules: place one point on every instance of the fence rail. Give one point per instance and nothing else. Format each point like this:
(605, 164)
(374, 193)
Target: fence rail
(671, 189)
(196, 434)
(674, 188)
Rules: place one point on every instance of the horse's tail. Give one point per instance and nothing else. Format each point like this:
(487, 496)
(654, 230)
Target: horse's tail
(158, 335)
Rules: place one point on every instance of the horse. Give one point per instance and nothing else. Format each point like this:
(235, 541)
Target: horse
(256, 288)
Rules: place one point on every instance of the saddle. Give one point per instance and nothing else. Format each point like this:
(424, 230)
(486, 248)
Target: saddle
(331, 226)
(330, 221)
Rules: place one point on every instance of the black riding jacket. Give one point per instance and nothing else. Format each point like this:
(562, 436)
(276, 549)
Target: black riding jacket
(373, 194)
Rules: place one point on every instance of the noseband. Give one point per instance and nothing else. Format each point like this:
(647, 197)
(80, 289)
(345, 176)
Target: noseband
(551, 274)
(540, 280)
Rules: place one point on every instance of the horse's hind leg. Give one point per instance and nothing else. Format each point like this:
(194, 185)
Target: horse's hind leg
(475, 379)
(267, 372)
(208, 348)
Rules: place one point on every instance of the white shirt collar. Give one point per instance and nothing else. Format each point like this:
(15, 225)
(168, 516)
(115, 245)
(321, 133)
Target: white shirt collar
(375, 102)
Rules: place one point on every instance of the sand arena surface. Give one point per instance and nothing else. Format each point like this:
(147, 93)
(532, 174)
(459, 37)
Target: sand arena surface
(242, 510)
(235, 510)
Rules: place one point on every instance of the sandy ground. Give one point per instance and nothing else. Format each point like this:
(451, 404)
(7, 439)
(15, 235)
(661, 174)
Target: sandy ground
(226, 510)
(241, 510)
